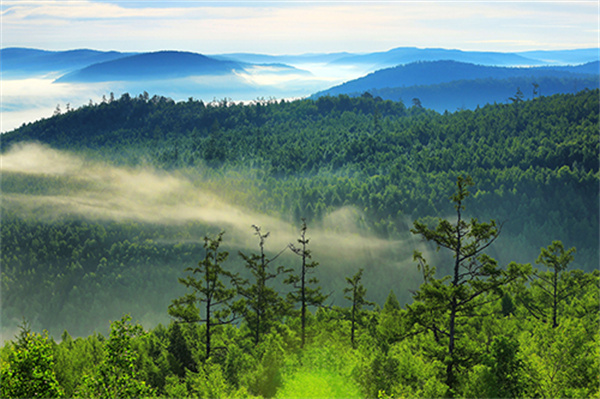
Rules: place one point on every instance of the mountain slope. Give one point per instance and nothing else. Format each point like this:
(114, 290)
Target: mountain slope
(478, 85)
(470, 94)
(21, 61)
(576, 56)
(287, 59)
(435, 72)
(148, 66)
(405, 55)
(104, 211)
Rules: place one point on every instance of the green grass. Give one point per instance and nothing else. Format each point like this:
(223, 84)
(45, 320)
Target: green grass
(318, 384)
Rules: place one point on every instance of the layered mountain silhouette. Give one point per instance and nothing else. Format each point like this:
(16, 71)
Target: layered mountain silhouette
(435, 72)
(88, 66)
(442, 79)
(25, 61)
(405, 55)
(448, 85)
(152, 66)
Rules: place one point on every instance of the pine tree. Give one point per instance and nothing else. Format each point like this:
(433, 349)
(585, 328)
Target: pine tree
(441, 304)
(209, 292)
(556, 259)
(356, 293)
(181, 355)
(262, 305)
(303, 293)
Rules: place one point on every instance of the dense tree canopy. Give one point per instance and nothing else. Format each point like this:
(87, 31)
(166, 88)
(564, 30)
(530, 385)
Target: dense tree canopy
(497, 353)
(536, 173)
(535, 168)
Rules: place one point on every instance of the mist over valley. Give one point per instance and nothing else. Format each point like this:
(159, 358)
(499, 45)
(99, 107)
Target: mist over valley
(105, 206)
(36, 82)
(299, 199)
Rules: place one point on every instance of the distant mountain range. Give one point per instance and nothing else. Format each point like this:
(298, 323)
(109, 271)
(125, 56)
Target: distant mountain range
(152, 66)
(434, 72)
(405, 55)
(448, 85)
(92, 64)
(20, 62)
(404, 73)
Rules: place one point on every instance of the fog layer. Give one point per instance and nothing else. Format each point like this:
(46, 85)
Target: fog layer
(105, 192)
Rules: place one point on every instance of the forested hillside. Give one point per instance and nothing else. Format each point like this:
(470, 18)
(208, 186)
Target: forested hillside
(372, 164)
(471, 94)
(535, 162)
(106, 206)
(484, 331)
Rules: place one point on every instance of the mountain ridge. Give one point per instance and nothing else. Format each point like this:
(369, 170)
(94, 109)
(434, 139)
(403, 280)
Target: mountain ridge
(436, 77)
(155, 65)
(16, 60)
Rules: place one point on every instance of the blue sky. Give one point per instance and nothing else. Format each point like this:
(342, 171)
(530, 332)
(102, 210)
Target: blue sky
(295, 27)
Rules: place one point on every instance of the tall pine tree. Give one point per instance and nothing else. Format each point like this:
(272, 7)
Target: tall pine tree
(262, 304)
(441, 304)
(303, 293)
(209, 294)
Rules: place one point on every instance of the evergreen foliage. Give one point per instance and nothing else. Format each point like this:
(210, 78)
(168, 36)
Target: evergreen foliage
(263, 306)
(302, 292)
(356, 293)
(441, 303)
(483, 330)
(209, 292)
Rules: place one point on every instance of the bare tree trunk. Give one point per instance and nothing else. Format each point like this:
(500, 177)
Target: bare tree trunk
(555, 299)
(303, 294)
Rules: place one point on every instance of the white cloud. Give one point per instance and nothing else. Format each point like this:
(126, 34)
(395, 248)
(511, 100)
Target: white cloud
(82, 10)
(26, 100)
(297, 27)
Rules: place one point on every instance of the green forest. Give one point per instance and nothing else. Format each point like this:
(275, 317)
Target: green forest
(338, 247)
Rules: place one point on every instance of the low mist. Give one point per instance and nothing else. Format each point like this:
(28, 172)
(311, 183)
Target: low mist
(101, 192)
(25, 100)
(146, 195)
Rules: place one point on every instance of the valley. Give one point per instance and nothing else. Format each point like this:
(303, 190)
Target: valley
(403, 223)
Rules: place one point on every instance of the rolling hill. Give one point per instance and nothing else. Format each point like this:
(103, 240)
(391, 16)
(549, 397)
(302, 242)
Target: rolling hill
(572, 57)
(448, 85)
(111, 202)
(406, 55)
(24, 61)
(152, 66)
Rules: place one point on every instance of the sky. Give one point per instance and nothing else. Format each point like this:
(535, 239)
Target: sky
(285, 27)
(296, 27)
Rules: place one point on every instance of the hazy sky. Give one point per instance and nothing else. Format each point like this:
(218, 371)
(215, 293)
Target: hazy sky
(294, 27)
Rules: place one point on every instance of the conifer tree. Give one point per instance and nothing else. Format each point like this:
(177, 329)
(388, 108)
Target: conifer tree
(550, 289)
(556, 259)
(390, 327)
(442, 304)
(303, 293)
(181, 355)
(262, 305)
(209, 292)
(356, 293)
